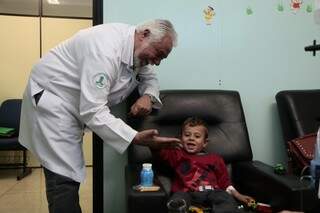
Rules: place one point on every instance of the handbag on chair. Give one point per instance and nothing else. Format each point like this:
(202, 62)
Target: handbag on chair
(301, 152)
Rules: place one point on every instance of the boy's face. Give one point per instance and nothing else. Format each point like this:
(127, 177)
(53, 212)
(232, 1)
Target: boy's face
(194, 138)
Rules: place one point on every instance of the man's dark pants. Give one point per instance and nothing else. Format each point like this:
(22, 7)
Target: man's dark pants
(62, 193)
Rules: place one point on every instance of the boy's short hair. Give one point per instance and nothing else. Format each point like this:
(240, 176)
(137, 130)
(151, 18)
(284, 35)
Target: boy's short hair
(195, 121)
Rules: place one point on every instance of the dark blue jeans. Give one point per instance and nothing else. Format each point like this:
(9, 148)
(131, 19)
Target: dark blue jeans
(62, 193)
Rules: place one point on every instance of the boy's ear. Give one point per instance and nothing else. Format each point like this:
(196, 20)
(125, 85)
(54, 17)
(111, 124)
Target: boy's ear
(206, 141)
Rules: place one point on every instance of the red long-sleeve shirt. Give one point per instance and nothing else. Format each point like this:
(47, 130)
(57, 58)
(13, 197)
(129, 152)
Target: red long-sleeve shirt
(194, 171)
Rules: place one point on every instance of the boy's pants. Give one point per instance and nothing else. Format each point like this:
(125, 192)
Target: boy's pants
(218, 200)
(62, 193)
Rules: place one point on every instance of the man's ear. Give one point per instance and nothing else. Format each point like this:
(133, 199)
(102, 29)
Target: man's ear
(143, 35)
(146, 33)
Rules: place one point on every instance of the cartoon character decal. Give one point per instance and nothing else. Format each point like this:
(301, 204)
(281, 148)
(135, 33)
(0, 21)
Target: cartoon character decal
(280, 7)
(249, 11)
(296, 5)
(309, 8)
(208, 15)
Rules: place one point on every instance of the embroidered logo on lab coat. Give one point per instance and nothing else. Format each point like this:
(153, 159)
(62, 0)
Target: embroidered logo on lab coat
(100, 80)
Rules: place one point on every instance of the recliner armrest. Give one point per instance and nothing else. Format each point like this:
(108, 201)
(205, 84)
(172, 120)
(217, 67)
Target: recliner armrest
(258, 179)
(141, 202)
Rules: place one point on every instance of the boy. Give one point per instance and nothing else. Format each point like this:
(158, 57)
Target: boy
(200, 178)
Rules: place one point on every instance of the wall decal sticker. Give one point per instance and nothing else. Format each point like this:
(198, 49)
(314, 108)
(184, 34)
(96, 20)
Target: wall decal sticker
(209, 14)
(280, 7)
(295, 5)
(309, 8)
(249, 11)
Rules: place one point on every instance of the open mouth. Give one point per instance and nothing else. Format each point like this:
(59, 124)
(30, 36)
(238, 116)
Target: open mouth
(190, 145)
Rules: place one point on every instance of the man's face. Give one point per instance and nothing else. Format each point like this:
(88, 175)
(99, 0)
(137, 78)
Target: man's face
(194, 138)
(152, 53)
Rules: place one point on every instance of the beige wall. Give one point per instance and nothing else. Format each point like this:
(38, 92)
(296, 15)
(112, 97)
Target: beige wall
(20, 49)
(55, 30)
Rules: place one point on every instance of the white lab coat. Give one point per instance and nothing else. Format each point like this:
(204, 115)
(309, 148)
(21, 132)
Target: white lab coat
(80, 79)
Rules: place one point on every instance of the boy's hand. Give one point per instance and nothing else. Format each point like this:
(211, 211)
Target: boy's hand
(249, 201)
(151, 138)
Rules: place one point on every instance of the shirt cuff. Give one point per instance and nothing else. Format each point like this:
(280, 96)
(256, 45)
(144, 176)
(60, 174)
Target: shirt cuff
(229, 189)
(156, 102)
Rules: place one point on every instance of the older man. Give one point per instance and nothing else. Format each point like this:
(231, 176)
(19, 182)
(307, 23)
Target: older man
(73, 86)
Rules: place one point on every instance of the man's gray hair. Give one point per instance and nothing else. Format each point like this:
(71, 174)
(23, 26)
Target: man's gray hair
(159, 28)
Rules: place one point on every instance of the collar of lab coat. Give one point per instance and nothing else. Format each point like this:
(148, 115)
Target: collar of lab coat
(127, 51)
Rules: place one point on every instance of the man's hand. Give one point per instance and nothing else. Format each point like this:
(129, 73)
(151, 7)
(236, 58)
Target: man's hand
(151, 138)
(142, 107)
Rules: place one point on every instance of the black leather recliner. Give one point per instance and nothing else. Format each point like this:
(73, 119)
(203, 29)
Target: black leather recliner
(10, 117)
(299, 113)
(222, 110)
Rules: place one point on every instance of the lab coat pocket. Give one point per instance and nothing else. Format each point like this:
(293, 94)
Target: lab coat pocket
(36, 92)
(56, 119)
(50, 117)
(49, 105)
(37, 97)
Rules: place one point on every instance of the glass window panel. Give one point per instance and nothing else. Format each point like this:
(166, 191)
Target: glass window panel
(19, 7)
(67, 8)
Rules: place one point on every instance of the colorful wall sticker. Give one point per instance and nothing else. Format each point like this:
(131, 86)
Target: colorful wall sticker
(295, 5)
(280, 7)
(309, 8)
(208, 15)
(249, 11)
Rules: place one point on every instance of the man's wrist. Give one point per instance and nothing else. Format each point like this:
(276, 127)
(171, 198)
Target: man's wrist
(152, 98)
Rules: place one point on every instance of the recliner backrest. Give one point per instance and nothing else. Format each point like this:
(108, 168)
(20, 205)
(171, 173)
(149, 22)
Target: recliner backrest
(10, 114)
(221, 109)
(299, 112)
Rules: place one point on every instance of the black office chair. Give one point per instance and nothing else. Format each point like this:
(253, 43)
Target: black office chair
(299, 113)
(222, 110)
(10, 117)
